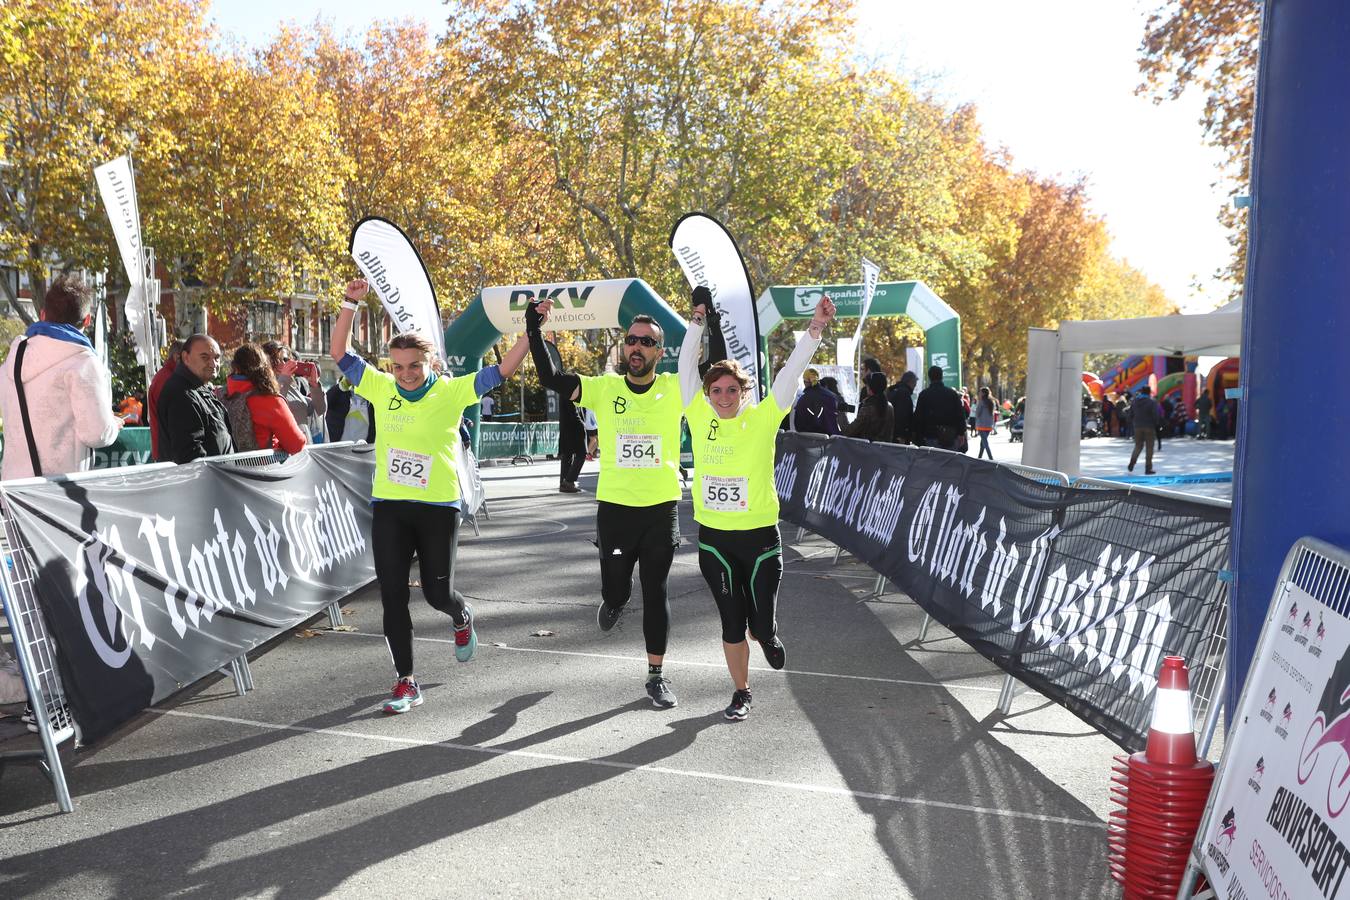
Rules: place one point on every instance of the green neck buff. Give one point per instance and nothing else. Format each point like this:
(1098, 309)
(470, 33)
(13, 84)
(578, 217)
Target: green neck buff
(419, 393)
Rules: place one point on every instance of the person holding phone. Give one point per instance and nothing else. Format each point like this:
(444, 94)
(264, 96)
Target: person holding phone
(299, 381)
(416, 491)
(734, 437)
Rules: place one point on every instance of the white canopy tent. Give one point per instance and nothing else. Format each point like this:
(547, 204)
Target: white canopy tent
(1055, 370)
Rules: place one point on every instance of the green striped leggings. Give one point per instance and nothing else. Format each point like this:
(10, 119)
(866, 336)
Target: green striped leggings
(743, 569)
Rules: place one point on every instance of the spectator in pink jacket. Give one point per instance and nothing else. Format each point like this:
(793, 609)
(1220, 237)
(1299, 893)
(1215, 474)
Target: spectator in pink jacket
(68, 392)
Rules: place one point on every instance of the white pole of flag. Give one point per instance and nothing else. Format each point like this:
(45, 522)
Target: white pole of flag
(870, 273)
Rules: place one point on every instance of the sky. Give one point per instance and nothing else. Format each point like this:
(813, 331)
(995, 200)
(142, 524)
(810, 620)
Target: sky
(1054, 82)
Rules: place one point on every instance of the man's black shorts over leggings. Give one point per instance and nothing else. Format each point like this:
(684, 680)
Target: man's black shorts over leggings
(645, 536)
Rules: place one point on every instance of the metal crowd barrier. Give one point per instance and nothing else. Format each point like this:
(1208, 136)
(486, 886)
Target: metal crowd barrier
(1207, 673)
(33, 645)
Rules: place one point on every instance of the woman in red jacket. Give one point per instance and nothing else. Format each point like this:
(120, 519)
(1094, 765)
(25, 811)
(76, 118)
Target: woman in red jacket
(273, 425)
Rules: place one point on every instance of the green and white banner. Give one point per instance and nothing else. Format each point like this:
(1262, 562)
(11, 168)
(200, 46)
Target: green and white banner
(577, 305)
(941, 324)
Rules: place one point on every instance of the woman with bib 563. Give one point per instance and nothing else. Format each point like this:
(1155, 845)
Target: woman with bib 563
(735, 503)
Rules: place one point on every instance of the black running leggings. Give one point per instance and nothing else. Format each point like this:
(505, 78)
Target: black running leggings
(627, 536)
(743, 570)
(401, 527)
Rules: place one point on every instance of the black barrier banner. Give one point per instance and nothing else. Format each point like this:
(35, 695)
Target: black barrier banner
(154, 579)
(1079, 593)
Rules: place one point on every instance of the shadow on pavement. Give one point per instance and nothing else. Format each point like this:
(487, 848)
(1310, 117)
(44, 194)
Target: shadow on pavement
(177, 846)
(923, 744)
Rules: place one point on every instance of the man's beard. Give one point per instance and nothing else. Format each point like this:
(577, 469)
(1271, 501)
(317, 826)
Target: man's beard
(641, 371)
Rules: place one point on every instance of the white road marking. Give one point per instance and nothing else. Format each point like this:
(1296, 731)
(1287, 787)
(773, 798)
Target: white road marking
(659, 770)
(709, 665)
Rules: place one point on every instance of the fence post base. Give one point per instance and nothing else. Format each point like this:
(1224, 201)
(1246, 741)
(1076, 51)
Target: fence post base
(334, 614)
(1006, 695)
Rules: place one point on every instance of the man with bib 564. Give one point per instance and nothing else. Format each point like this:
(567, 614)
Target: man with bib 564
(638, 415)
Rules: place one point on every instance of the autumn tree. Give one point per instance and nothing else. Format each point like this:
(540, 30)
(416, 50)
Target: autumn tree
(81, 82)
(648, 109)
(1211, 45)
(245, 198)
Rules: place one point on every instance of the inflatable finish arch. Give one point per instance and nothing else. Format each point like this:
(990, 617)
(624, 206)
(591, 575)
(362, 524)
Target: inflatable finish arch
(577, 306)
(940, 323)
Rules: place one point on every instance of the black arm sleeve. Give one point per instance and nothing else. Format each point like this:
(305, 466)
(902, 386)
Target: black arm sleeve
(565, 383)
(717, 344)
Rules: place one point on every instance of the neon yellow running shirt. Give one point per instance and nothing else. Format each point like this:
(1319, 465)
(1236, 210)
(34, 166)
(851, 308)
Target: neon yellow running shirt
(733, 464)
(639, 438)
(416, 442)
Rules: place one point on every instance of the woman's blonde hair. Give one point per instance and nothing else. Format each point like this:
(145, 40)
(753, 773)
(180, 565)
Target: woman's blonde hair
(810, 377)
(726, 367)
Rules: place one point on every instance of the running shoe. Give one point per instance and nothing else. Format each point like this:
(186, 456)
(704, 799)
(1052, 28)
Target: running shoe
(466, 637)
(774, 652)
(663, 697)
(406, 695)
(29, 719)
(607, 616)
(739, 708)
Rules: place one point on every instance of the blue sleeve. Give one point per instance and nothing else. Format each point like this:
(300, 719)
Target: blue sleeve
(487, 378)
(353, 367)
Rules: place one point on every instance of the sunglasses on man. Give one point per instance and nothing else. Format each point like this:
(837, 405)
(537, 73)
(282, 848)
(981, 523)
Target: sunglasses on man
(633, 340)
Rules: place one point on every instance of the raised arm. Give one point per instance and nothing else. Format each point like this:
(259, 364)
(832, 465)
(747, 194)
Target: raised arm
(691, 379)
(339, 344)
(785, 383)
(514, 357)
(564, 383)
(712, 323)
(490, 376)
(703, 316)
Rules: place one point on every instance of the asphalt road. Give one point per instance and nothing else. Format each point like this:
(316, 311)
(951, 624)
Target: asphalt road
(874, 765)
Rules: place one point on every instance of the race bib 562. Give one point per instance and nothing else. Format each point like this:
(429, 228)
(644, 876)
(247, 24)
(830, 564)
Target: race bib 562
(407, 468)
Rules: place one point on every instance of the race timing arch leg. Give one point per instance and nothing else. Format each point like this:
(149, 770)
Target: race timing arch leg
(1296, 322)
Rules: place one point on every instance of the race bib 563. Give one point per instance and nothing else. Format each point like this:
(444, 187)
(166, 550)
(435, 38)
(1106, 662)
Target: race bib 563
(723, 493)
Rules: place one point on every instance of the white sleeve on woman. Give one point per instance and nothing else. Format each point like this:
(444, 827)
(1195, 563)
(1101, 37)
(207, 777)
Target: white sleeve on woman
(690, 350)
(785, 382)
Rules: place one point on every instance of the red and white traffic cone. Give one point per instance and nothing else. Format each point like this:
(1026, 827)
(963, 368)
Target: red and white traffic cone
(1162, 791)
(1171, 734)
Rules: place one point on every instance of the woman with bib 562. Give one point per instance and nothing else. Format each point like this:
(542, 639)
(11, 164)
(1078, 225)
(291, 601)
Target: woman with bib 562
(416, 494)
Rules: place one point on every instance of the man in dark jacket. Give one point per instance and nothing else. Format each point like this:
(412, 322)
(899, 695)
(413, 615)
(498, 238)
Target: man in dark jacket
(816, 411)
(192, 421)
(939, 417)
(901, 395)
(1145, 416)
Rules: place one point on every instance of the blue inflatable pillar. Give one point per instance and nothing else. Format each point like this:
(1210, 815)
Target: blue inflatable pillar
(1293, 425)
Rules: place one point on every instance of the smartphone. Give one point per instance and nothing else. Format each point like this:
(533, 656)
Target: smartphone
(306, 369)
